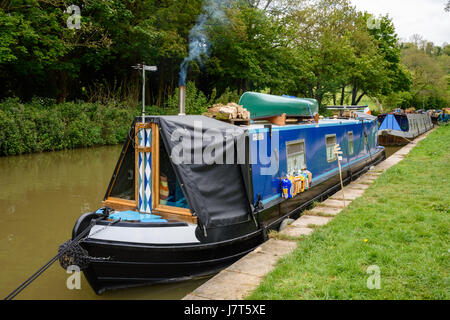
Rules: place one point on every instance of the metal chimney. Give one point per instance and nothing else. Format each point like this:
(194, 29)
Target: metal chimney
(182, 101)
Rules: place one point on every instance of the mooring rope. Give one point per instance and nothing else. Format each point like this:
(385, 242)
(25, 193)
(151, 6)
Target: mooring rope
(75, 241)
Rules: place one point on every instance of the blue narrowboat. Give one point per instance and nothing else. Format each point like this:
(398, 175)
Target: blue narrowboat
(190, 195)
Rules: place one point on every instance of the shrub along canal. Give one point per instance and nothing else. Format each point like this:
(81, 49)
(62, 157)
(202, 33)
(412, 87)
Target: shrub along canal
(41, 196)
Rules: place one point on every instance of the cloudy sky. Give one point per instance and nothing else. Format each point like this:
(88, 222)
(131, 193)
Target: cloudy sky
(424, 17)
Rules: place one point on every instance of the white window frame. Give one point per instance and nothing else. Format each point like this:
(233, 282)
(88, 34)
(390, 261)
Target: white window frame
(352, 150)
(302, 141)
(329, 160)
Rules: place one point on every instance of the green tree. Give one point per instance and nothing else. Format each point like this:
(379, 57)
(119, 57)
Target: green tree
(377, 70)
(429, 76)
(319, 33)
(248, 51)
(40, 49)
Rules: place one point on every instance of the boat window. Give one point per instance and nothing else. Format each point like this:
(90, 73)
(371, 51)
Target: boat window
(123, 185)
(296, 157)
(170, 193)
(331, 142)
(350, 143)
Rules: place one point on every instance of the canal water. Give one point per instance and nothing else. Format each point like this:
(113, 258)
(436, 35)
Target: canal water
(41, 197)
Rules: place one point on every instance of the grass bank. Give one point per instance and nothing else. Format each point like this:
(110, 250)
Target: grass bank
(400, 225)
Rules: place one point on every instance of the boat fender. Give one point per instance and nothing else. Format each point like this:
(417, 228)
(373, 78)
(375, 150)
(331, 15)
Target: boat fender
(74, 256)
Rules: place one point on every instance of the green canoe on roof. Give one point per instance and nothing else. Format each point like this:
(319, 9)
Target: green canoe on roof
(262, 105)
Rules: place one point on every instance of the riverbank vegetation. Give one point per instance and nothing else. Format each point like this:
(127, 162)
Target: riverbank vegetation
(322, 49)
(399, 227)
(44, 125)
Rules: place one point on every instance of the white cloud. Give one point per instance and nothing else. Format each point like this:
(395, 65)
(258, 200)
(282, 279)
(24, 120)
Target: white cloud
(424, 17)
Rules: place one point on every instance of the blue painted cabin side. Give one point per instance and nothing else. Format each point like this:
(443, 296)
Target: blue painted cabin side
(315, 147)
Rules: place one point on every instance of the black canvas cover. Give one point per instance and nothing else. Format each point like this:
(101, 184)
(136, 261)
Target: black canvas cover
(211, 172)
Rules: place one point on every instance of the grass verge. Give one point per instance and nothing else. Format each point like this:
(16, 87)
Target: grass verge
(400, 225)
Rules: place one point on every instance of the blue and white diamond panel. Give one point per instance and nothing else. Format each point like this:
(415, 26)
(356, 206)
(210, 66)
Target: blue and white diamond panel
(145, 171)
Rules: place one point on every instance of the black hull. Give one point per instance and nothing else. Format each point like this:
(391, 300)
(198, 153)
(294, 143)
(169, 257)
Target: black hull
(133, 265)
(122, 265)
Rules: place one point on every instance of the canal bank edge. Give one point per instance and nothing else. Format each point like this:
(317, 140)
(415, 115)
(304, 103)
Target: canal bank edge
(240, 279)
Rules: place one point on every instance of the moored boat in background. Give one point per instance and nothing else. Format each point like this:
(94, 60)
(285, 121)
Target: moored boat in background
(399, 128)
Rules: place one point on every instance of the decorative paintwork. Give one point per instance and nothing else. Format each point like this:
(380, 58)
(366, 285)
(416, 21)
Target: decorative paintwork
(145, 171)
